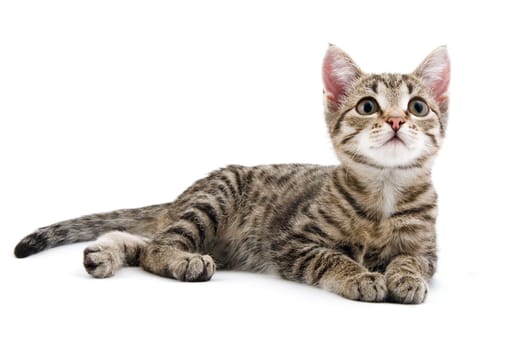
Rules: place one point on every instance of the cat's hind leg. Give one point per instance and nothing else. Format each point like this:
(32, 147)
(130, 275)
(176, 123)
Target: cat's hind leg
(177, 251)
(180, 250)
(104, 257)
(198, 219)
(174, 262)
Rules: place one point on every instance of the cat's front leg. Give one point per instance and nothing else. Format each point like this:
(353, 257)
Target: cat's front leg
(333, 271)
(406, 277)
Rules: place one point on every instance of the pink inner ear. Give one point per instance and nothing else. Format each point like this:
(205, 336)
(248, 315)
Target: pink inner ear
(440, 86)
(339, 71)
(333, 86)
(435, 74)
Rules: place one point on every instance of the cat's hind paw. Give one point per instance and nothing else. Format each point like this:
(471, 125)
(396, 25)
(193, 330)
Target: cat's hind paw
(101, 262)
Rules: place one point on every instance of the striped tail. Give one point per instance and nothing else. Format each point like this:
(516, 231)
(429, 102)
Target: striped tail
(144, 221)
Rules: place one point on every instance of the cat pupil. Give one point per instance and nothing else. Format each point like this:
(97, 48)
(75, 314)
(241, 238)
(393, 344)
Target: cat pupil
(418, 106)
(368, 107)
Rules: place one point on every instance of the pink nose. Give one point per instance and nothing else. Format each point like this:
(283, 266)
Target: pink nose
(395, 122)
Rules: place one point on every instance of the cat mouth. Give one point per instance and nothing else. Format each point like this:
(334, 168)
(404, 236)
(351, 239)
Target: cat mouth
(393, 141)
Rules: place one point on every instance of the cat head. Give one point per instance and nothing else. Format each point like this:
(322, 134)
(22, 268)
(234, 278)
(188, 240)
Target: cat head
(386, 120)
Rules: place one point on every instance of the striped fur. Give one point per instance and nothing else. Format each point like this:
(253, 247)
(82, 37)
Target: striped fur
(364, 229)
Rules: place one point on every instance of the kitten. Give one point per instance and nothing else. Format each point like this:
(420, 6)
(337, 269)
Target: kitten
(364, 229)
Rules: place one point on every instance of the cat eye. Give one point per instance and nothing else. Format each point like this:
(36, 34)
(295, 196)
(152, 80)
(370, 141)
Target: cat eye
(418, 107)
(367, 106)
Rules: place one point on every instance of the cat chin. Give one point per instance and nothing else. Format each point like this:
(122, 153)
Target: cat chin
(392, 155)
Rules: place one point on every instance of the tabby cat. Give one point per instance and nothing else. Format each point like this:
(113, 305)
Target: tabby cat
(364, 229)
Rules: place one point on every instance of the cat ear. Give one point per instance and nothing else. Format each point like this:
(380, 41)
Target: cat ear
(339, 74)
(434, 72)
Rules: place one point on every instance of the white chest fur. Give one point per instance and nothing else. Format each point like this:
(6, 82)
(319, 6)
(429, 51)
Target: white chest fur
(388, 195)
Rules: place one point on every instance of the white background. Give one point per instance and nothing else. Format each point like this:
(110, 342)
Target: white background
(114, 104)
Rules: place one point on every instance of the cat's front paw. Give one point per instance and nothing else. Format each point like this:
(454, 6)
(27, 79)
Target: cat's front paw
(366, 286)
(193, 268)
(407, 288)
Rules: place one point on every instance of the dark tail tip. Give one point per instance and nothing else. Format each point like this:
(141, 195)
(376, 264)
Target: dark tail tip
(23, 250)
(30, 245)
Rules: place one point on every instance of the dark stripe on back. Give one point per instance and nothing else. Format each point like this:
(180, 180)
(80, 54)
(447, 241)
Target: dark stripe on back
(237, 178)
(228, 183)
(224, 191)
(207, 209)
(178, 230)
(192, 217)
(222, 204)
(283, 180)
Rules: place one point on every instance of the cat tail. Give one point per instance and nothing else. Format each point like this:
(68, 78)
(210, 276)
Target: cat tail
(142, 221)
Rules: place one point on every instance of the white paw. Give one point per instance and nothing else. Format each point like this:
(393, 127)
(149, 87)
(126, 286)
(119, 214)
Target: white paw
(101, 262)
